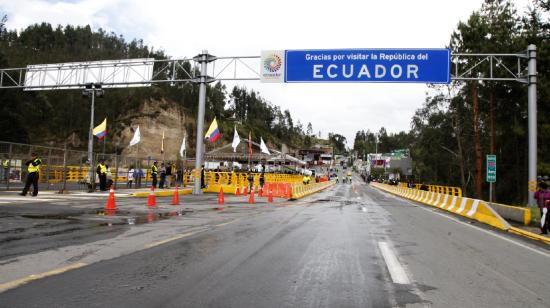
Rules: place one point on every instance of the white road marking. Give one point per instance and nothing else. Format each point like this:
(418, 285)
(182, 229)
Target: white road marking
(397, 272)
(490, 233)
(434, 211)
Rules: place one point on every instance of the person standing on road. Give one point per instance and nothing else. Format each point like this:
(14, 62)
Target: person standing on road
(250, 181)
(130, 178)
(169, 172)
(154, 172)
(203, 185)
(542, 195)
(262, 180)
(162, 175)
(102, 174)
(33, 167)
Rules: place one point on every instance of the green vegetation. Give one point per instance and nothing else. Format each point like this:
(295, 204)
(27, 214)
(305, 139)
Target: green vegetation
(460, 124)
(49, 116)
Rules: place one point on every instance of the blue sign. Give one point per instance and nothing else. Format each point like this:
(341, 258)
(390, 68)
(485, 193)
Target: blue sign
(368, 65)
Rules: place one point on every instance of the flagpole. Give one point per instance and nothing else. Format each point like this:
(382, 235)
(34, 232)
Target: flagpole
(104, 141)
(138, 163)
(162, 148)
(249, 151)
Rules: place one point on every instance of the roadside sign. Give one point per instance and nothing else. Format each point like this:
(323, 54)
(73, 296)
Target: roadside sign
(491, 168)
(357, 65)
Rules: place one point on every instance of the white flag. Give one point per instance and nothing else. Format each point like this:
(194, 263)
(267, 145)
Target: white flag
(263, 147)
(182, 148)
(137, 137)
(236, 141)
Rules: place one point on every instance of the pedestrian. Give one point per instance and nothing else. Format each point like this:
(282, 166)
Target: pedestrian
(545, 217)
(262, 180)
(138, 175)
(154, 173)
(33, 167)
(250, 181)
(130, 177)
(542, 195)
(169, 174)
(102, 174)
(179, 178)
(162, 175)
(203, 184)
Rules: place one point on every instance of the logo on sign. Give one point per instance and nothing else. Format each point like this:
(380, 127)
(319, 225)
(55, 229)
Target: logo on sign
(272, 66)
(273, 63)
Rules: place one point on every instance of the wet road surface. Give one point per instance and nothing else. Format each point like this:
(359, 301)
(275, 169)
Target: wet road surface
(349, 246)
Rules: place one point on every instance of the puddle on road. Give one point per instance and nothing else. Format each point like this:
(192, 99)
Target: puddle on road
(139, 219)
(111, 218)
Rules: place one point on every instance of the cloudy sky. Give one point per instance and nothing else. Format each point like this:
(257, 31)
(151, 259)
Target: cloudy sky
(245, 27)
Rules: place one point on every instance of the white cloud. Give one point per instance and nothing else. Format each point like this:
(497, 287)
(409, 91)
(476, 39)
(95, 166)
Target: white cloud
(245, 27)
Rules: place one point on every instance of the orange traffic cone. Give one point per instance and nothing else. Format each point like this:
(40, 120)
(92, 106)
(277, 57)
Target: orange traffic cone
(111, 204)
(251, 198)
(261, 192)
(221, 197)
(238, 191)
(245, 191)
(152, 201)
(270, 197)
(176, 197)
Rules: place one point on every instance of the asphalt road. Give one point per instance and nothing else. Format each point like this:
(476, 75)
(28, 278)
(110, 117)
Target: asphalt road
(349, 246)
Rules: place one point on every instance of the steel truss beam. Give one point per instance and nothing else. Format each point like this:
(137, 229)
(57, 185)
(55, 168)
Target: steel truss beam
(489, 67)
(171, 71)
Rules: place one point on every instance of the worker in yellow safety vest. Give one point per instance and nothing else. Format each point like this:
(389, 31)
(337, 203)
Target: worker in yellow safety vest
(33, 167)
(154, 173)
(102, 174)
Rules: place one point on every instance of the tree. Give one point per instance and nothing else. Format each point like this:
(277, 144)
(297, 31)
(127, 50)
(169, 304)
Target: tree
(338, 142)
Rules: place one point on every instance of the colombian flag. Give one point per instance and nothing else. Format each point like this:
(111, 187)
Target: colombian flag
(101, 130)
(213, 133)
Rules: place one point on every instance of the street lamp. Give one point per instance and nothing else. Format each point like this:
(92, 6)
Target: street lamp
(93, 90)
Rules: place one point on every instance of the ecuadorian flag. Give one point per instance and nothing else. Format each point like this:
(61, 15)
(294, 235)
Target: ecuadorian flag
(101, 130)
(213, 133)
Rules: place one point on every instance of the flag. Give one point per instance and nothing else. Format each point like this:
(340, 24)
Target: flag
(263, 147)
(236, 141)
(101, 130)
(162, 144)
(137, 137)
(213, 133)
(182, 148)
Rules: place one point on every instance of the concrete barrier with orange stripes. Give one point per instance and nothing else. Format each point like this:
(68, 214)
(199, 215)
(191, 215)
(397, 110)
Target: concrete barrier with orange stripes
(467, 207)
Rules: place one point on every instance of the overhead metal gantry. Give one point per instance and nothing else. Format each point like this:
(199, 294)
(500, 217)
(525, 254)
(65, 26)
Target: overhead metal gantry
(205, 68)
(125, 73)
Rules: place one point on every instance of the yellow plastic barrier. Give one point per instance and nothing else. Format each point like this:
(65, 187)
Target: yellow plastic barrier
(230, 181)
(301, 190)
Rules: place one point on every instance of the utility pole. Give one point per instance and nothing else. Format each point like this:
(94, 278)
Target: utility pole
(203, 79)
(532, 119)
(92, 89)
